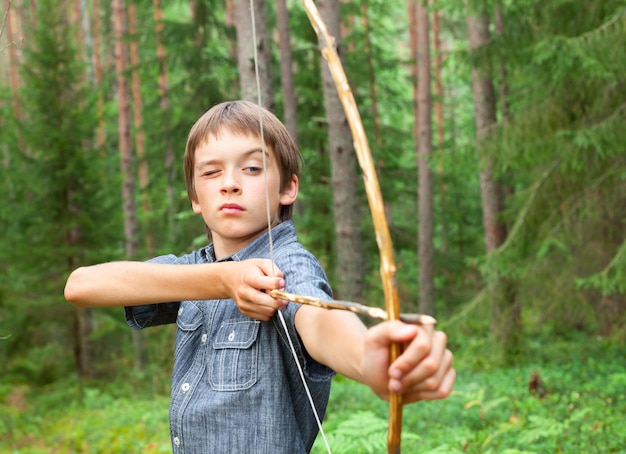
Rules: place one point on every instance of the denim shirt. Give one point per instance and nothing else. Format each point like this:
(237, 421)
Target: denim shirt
(235, 384)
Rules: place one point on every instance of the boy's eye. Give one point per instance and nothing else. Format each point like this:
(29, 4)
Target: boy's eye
(209, 173)
(253, 169)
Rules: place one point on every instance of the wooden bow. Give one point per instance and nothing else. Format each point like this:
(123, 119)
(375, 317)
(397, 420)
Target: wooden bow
(375, 199)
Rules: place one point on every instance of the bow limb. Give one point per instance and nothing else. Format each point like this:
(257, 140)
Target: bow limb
(374, 197)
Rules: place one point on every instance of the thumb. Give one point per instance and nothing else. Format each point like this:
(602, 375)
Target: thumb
(386, 333)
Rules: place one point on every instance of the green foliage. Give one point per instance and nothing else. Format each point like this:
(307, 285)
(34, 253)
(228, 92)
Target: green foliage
(361, 432)
(578, 408)
(493, 411)
(560, 156)
(54, 205)
(58, 420)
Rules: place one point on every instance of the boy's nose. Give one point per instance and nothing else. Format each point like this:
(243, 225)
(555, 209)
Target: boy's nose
(230, 184)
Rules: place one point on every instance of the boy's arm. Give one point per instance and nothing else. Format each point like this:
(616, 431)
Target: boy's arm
(340, 340)
(138, 283)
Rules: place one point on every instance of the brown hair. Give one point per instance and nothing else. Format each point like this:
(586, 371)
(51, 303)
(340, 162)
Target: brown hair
(243, 117)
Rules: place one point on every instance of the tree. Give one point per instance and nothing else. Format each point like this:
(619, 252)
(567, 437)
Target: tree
(165, 110)
(124, 129)
(505, 108)
(126, 152)
(140, 136)
(290, 103)
(246, 53)
(485, 118)
(562, 143)
(505, 311)
(346, 202)
(423, 138)
(439, 121)
(97, 71)
(371, 74)
(49, 217)
(10, 21)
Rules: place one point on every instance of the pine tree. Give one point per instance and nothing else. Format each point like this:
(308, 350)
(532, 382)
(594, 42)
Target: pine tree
(56, 206)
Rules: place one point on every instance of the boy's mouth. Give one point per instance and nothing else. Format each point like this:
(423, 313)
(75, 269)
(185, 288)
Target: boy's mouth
(231, 208)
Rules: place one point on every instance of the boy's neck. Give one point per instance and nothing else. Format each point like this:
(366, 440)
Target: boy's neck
(223, 248)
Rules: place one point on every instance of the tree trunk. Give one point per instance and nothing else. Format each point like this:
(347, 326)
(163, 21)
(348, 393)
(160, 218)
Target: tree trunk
(367, 42)
(420, 68)
(126, 152)
(97, 64)
(346, 206)
(511, 287)
(83, 317)
(438, 106)
(164, 104)
(246, 52)
(124, 129)
(438, 101)
(504, 84)
(4, 75)
(10, 22)
(82, 350)
(76, 20)
(290, 101)
(485, 119)
(140, 137)
(13, 39)
(290, 104)
(505, 310)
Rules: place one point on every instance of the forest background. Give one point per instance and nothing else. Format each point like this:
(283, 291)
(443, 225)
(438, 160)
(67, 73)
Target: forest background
(498, 132)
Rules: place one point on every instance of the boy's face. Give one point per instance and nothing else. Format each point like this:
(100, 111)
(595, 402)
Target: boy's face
(230, 186)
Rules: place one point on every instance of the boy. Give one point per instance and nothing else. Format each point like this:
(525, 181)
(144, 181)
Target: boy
(235, 385)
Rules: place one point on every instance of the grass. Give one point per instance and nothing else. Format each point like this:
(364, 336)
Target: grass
(581, 408)
(55, 420)
(491, 411)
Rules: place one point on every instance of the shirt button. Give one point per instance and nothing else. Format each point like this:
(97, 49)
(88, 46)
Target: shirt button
(180, 311)
(185, 387)
(204, 336)
(231, 336)
(177, 441)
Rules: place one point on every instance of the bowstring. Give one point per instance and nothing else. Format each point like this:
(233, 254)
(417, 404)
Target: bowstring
(269, 227)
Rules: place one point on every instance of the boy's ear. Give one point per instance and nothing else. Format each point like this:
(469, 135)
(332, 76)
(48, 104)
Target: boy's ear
(289, 195)
(196, 207)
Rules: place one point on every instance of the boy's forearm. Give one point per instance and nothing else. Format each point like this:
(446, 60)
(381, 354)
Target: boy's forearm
(334, 338)
(135, 283)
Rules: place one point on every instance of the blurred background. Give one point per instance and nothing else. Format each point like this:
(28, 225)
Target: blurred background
(498, 130)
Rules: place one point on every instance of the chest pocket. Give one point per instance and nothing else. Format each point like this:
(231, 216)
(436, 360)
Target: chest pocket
(189, 333)
(233, 361)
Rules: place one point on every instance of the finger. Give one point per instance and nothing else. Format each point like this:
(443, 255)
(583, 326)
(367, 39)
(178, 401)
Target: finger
(434, 381)
(265, 283)
(251, 296)
(423, 363)
(441, 392)
(257, 312)
(269, 268)
(424, 350)
(386, 333)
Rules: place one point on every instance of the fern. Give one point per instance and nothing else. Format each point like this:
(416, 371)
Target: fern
(363, 432)
(542, 427)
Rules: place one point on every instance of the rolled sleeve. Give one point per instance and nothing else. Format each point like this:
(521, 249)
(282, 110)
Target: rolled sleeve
(139, 317)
